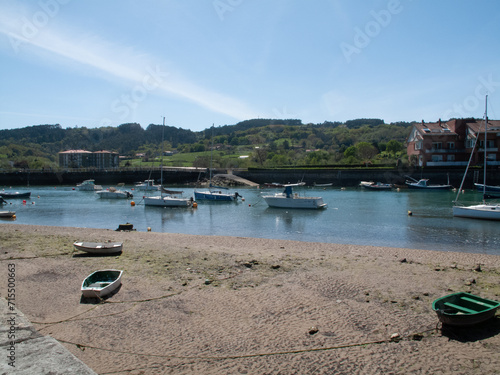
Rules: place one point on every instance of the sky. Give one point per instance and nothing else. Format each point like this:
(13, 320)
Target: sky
(100, 63)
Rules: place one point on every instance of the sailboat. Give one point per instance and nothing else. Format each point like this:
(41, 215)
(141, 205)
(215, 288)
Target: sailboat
(166, 198)
(215, 193)
(486, 211)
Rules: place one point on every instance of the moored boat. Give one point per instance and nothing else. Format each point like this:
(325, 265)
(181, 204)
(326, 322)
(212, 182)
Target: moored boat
(464, 309)
(113, 193)
(289, 199)
(423, 184)
(146, 185)
(15, 195)
(7, 214)
(99, 247)
(101, 283)
(370, 185)
(88, 185)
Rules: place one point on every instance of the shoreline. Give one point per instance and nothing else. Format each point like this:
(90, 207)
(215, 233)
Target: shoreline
(213, 304)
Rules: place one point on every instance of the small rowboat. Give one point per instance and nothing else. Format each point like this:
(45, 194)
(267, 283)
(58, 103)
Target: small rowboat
(99, 247)
(101, 283)
(464, 309)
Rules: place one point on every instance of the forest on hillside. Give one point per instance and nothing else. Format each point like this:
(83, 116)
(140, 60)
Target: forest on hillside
(268, 142)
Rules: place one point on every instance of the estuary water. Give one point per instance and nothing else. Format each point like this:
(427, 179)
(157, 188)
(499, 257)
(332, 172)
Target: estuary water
(353, 216)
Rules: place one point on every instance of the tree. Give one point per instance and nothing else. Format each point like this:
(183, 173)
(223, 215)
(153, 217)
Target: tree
(365, 150)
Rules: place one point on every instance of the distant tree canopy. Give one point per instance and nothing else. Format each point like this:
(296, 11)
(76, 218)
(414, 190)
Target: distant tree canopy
(279, 141)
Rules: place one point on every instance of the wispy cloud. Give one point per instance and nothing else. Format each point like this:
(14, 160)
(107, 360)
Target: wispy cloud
(116, 62)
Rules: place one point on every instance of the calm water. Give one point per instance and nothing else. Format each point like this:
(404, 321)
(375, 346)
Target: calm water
(353, 216)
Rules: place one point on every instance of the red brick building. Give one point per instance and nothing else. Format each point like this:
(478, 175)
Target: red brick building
(450, 143)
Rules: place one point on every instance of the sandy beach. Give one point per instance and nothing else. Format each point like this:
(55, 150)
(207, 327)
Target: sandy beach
(232, 305)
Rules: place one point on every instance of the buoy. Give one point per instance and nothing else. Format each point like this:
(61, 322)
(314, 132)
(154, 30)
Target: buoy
(242, 199)
(195, 205)
(24, 201)
(410, 213)
(149, 229)
(132, 203)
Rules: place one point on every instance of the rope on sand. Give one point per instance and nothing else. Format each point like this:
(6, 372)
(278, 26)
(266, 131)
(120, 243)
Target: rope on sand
(242, 356)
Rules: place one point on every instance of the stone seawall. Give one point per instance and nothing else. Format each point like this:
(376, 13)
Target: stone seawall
(174, 176)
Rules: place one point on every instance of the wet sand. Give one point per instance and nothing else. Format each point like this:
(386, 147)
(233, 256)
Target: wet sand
(231, 305)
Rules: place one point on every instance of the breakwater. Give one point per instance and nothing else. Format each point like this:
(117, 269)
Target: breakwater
(181, 175)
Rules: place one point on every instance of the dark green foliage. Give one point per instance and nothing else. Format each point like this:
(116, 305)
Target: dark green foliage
(280, 142)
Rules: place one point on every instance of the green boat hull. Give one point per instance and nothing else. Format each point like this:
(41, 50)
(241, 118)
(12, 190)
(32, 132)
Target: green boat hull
(464, 309)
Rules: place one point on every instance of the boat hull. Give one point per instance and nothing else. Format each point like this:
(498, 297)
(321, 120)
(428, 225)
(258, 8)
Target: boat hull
(7, 214)
(167, 201)
(488, 189)
(214, 196)
(114, 194)
(295, 202)
(99, 247)
(464, 309)
(15, 195)
(101, 283)
(478, 211)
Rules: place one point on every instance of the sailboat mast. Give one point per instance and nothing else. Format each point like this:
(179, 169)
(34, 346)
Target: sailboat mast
(485, 143)
(161, 157)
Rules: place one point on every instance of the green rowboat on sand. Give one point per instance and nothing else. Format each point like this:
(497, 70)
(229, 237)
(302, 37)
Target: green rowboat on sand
(464, 309)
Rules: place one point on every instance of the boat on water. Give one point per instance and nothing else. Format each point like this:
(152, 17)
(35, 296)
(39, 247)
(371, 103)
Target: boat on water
(289, 199)
(7, 214)
(464, 309)
(101, 283)
(484, 210)
(167, 198)
(215, 193)
(88, 185)
(323, 185)
(99, 247)
(15, 194)
(423, 184)
(487, 188)
(114, 193)
(146, 185)
(370, 185)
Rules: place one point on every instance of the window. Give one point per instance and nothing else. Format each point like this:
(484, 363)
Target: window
(437, 157)
(418, 145)
(450, 158)
(437, 145)
(451, 145)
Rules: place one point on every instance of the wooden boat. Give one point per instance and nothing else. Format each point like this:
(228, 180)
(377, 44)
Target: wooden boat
(101, 283)
(7, 214)
(99, 247)
(464, 309)
(288, 199)
(15, 195)
(370, 185)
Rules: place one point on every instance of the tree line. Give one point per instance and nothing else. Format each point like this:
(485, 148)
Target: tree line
(269, 142)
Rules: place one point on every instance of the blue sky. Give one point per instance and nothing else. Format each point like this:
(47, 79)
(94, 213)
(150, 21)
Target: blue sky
(103, 63)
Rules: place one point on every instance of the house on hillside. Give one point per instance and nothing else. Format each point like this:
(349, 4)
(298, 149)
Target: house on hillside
(86, 159)
(451, 143)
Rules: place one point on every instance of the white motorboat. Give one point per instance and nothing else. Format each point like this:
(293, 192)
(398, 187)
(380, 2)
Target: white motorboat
(7, 214)
(146, 185)
(88, 185)
(486, 211)
(289, 199)
(113, 193)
